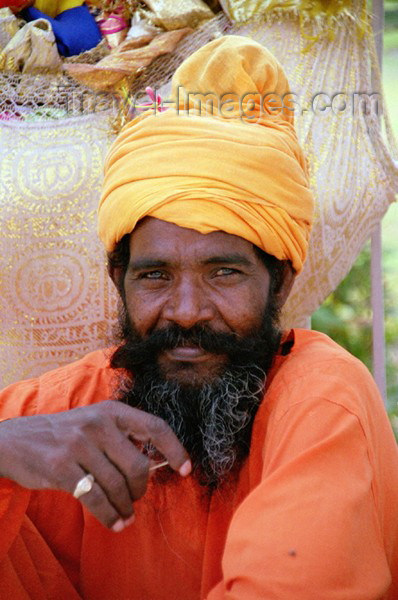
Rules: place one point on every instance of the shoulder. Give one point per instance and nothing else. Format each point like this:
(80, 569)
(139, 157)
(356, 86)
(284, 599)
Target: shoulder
(79, 383)
(314, 346)
(319, 391)
(323, 402)
(96, 362)
(318, 367)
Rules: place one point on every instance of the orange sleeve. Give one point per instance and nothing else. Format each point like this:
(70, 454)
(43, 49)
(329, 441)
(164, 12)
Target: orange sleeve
(310, 528)
(29, 563)
(28, 567)
(16, 400)
(13, 504)
(19, 399)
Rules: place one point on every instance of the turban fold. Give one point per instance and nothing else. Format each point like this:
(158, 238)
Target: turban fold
(231, 164)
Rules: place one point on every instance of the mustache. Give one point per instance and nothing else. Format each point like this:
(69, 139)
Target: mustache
(140, 351)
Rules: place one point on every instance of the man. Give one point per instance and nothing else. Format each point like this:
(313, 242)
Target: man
(276, 475)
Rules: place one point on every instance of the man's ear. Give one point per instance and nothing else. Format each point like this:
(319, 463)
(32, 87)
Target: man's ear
(288, 278)
(117, 275)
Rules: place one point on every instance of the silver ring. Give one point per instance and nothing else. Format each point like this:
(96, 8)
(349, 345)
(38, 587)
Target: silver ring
(84, 485)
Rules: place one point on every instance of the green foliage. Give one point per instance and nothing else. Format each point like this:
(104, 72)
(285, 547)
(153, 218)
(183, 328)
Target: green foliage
(390, 40)
(391, 15)
(346, 316)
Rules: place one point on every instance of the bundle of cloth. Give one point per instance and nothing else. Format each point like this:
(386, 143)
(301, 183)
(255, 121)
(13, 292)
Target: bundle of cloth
(74, 27)
(134, 35)
(69, 22)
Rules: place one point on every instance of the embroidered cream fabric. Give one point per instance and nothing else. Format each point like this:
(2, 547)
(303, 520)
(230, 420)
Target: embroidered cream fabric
(56, 302)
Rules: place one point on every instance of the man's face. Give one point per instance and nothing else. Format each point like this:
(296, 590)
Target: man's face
(199, 330)
(180, 277)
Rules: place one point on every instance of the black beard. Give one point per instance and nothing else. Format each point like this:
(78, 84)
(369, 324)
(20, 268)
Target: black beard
(212, 420)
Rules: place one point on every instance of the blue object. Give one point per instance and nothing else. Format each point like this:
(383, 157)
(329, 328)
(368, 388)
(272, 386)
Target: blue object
(75, 29)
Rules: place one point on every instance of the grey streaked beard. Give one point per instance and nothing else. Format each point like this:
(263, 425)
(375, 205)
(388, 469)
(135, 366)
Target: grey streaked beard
(213, 421)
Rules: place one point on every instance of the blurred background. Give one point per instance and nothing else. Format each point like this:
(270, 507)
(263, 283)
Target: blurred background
(346, 314)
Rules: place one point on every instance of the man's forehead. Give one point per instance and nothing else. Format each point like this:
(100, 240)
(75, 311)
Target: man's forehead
(154, 237)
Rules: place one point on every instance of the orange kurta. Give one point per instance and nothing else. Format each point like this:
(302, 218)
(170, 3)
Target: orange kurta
(313, 516)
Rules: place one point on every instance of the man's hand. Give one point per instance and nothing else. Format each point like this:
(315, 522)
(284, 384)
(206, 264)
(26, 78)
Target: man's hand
(56, 451)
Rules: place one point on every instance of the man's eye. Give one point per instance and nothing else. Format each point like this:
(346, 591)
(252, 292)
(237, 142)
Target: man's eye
(227, 271)
(152, 275)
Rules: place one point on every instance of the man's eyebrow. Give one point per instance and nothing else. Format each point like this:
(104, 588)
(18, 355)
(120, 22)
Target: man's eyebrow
(146, 263)
(229, 259)
(141, 264)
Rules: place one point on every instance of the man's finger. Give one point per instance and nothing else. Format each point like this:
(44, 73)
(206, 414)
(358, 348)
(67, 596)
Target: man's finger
(132, 463)
(96, 501)
(145, 428)
(112, 480)
(98, 504)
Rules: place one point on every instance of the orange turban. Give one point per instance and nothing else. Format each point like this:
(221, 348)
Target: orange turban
(234, 166)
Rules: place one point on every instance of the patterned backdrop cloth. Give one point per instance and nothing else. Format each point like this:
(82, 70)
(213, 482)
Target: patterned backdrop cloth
(56, 302)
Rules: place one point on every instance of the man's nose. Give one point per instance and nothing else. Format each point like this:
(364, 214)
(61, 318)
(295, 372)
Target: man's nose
(188, 304)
